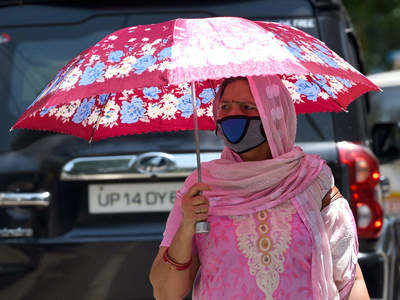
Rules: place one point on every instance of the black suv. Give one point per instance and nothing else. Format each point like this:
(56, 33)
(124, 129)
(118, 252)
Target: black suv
(62, 237)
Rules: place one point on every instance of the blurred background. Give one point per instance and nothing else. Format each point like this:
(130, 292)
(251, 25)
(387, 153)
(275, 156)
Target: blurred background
(377, 24)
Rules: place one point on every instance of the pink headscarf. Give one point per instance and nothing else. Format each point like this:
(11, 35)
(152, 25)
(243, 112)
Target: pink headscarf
(240, 187)
(246, 187)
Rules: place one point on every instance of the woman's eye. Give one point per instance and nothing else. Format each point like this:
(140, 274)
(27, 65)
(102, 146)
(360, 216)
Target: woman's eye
(223, 107)
(249, 107)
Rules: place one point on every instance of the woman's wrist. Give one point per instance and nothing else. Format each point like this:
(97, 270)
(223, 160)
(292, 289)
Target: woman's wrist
(187, 228)
(174, 264)
(180, 250)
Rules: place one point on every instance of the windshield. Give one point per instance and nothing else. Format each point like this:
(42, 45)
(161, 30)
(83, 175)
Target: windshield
(31, 56)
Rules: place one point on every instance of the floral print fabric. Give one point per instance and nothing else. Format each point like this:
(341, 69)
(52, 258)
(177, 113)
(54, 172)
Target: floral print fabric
(164, 108)
(149, 109)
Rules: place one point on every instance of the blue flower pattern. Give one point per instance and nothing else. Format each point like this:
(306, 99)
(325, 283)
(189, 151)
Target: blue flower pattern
(207, 95)
(185, 105)
(326, 59)
(164, 53)
(92, 73)
(115, 56)
(346, 82)
(310, 90)
(151, 92)
(45, 110)
(143, 63)
(324, 54)
(295, 50)
(132, 111)
(83, 111)
(103, 98)
(321, 81)
(321, 48)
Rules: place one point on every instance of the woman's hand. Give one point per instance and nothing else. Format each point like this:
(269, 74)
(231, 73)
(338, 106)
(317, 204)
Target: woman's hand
(194, 207)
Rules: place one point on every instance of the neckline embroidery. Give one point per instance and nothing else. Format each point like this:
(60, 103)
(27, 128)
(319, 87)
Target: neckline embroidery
(263, 239)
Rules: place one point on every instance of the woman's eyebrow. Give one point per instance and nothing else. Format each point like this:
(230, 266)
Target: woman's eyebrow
(239, 102)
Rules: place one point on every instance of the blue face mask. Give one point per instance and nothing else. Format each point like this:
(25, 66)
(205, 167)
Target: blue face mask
(241, 133)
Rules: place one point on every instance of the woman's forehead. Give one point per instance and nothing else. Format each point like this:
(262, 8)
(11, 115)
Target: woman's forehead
(237, 90)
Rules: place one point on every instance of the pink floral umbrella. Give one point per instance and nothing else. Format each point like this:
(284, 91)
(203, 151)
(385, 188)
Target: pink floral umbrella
(139, 79)
(163, 77)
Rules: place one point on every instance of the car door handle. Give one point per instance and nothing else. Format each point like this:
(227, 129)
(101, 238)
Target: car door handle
(41, 199)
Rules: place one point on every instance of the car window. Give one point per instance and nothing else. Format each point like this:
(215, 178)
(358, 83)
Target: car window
(385, 106)
(34, 54)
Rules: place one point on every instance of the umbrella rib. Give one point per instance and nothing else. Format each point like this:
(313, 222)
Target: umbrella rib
(98, 119)
(212, 87)
(341, 106)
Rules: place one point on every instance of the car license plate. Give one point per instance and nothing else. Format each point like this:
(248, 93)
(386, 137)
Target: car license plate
(132, 197)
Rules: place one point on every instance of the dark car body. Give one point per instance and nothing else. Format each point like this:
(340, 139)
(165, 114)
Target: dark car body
(51, 245)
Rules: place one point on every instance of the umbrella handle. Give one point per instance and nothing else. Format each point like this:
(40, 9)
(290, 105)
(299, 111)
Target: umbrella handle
(201, 226)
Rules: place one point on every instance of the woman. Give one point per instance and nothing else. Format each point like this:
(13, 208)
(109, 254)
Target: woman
(278, 229)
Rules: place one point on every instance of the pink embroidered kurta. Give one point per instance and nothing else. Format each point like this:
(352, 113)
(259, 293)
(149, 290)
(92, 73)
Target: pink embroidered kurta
(268, 254)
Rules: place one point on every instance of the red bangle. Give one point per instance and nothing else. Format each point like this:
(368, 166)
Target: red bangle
(177, 266)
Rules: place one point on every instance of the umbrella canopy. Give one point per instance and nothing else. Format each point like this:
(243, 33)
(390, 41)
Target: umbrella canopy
(138, 79)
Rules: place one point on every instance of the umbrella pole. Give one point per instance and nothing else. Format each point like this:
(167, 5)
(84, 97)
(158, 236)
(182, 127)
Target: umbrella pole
(202, 226)
(196, 130)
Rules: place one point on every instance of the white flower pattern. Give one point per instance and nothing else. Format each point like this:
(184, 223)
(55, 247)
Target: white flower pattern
(112, 71)
(110, 116)
(71, 79)
(154, 111)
